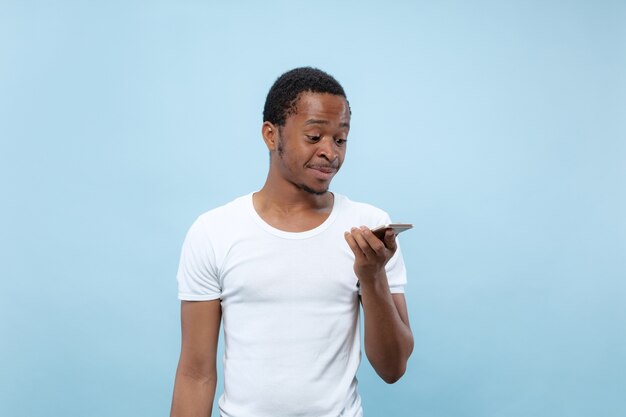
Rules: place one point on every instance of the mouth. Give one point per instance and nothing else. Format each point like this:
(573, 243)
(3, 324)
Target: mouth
(324, 173)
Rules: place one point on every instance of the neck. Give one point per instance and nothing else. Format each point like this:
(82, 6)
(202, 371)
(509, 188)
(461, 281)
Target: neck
(285, 197)
(287, 207)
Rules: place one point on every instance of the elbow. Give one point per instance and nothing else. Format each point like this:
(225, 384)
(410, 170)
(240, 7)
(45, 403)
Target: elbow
(392, 371)
(391, 364)
(395, 372)
(392, 380)
(393, 376)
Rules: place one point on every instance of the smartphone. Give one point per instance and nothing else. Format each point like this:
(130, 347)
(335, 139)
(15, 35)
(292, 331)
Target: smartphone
(398, 228)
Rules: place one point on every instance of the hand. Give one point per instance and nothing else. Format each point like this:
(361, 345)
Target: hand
(370, 253)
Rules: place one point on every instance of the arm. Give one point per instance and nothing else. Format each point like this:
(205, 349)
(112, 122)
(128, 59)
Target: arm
(196, 376)
(388, 337)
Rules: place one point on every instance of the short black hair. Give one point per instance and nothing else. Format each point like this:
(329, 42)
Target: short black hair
(282, 97)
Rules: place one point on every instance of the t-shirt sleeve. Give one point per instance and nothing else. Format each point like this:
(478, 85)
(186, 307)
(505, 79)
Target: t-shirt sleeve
(396, 272)
(197, 275)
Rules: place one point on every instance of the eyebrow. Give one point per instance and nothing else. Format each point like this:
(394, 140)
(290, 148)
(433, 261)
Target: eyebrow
(324, 122)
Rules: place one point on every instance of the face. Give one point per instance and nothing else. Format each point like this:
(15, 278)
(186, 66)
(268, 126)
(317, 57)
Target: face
(311, 146)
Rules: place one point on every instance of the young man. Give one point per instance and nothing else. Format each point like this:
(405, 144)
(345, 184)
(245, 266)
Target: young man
(284, 269)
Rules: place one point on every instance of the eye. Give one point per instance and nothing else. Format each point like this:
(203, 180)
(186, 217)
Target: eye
(313, 138)
(340, 141)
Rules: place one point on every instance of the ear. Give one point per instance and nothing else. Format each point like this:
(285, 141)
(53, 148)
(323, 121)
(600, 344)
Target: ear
(270, 135)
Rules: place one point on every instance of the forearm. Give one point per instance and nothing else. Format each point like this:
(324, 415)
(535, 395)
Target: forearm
(388, 338)
(193, 394)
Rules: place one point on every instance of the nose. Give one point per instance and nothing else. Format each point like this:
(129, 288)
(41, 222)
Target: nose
(327, 149)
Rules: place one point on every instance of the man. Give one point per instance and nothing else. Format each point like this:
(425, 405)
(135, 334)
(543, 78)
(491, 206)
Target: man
(284, 269)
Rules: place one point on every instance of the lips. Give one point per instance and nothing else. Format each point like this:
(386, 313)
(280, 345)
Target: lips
(324, 173)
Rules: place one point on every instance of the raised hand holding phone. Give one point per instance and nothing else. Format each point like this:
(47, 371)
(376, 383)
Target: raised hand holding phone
(373, 248)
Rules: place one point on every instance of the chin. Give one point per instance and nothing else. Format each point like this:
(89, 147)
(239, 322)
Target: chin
(315, 191)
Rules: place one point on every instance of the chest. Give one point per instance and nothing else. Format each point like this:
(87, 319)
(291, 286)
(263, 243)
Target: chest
(273, 270)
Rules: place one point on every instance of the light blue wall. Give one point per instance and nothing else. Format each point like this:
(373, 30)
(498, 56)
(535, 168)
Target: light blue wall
(498, 128)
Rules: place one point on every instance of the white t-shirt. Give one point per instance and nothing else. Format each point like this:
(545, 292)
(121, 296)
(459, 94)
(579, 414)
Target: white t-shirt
(290, 307)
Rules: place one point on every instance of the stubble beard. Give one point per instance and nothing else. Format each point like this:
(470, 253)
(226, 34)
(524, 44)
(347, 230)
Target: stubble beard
(281, 151)
(309, 190)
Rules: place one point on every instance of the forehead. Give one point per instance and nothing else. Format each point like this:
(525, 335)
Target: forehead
(322, 106)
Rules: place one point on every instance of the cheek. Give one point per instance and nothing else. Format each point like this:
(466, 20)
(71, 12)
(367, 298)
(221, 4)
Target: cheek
(342, 154)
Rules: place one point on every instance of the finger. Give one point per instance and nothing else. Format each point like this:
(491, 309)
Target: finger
(373, 241)
(364, 243)
(390, 240)
(353, 245)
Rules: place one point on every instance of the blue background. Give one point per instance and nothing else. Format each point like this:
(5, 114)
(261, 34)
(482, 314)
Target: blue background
(497, 128)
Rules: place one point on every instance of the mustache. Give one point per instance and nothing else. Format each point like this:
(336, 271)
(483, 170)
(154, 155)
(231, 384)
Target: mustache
(333, 166)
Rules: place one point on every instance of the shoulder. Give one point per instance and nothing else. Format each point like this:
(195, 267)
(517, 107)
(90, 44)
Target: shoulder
(365, 212)
(227, 212)
(349, 205)
(223, 217)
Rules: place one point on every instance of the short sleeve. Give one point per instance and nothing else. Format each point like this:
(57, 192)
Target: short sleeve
(396, 272)
(197, 275)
